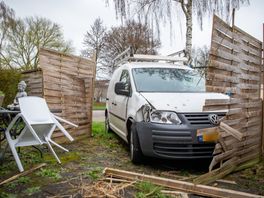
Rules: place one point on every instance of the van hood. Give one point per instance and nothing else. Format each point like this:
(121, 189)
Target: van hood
(181, 102)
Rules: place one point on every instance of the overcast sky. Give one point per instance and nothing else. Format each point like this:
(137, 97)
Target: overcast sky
(76, 16)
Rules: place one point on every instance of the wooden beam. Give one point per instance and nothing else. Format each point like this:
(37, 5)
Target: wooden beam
(175, 193)
(22, 174)
(235, 133)
(226, 168)
(180, 185)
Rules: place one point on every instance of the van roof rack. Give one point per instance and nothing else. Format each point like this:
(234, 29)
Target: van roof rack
(129, 56)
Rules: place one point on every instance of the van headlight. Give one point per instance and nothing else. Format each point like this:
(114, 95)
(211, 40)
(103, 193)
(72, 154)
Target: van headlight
(164, 117)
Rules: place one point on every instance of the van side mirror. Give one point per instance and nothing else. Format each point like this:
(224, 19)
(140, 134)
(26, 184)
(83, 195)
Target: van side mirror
(121, 89)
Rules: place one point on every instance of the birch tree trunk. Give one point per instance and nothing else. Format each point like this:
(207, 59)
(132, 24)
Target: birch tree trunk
(189, 30)
(187, 10)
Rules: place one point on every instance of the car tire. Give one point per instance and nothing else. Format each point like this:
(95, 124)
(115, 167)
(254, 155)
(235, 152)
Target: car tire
(107, 125)
(136, 155)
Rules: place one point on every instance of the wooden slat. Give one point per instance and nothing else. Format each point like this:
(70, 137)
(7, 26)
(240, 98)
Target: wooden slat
(225, 55)
(219, 77)
(218, 64)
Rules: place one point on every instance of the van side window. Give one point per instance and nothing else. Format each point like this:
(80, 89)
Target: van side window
(125, 78)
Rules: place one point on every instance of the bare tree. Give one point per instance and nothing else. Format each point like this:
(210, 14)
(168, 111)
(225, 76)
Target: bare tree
(140, 37)
(28, 36)
(153, 11)
(7, 22)
(200, 58)
(94, 39)
(94, 43)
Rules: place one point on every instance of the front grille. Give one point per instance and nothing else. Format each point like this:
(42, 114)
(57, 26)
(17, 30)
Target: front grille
(184, 150)
(171, 136)
(200, 118)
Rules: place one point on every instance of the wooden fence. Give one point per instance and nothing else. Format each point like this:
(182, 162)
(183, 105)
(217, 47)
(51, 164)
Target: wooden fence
(67, 83)
(235, 68)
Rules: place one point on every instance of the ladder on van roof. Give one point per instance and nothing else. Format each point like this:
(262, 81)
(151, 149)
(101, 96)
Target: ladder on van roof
(129, 56)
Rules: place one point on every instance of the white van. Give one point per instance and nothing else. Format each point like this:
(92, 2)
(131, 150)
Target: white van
(156, 105)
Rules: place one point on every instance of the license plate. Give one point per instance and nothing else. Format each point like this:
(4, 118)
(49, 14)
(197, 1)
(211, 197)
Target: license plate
(208, 134)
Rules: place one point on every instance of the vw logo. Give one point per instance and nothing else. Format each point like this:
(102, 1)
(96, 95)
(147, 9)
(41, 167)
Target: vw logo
(214, 119)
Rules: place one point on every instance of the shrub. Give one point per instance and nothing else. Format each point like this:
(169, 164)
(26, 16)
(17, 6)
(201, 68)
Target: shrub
(9, 78)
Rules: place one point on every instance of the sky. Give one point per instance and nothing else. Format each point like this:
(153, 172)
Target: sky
(76, 16)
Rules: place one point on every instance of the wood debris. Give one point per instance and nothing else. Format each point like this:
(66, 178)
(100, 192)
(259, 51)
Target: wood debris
(182, 186)
(22, 174)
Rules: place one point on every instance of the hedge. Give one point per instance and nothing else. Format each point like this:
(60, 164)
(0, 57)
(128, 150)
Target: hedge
(9, 79)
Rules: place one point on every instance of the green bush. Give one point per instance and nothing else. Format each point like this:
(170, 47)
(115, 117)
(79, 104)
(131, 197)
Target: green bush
(9, 78)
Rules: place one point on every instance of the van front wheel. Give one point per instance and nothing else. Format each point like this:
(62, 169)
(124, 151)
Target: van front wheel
(107, 124)
(136, 155)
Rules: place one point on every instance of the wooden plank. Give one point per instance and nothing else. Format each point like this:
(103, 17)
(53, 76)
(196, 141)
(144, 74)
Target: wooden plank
(232, 143)
(226, 168)
(248, 86)
(225, 55)
(220, 39)
(235, 111)
(175, 193)
(49, 52)
(235, 133)
(224, 28)
(248, 38)
(236, 151)
(178, 185)
(223, 66)
(223, 48)
(23, 173)
(251, 104)
(248, 58)
(220, 89)
(249, 77)
(247, 67)
(224, 78)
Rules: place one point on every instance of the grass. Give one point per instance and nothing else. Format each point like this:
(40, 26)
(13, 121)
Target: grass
(23, 180)
(7, 195)
(98, 106)
(50, 173)
(104, 138)
(98, 128)
(32, 190)
(252, 178)
(95, 173)
(147, 189)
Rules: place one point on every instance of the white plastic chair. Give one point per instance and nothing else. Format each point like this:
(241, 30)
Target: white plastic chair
(40, 124)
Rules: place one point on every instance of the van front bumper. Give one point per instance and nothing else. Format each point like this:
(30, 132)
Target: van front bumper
(172, 141)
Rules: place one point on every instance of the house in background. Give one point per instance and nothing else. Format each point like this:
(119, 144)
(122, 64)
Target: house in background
(100, 90)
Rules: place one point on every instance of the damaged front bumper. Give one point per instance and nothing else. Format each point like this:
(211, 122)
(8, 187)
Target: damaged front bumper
(172, 141)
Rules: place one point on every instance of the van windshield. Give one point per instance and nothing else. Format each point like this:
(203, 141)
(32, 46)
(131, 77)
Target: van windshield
(168, 80)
